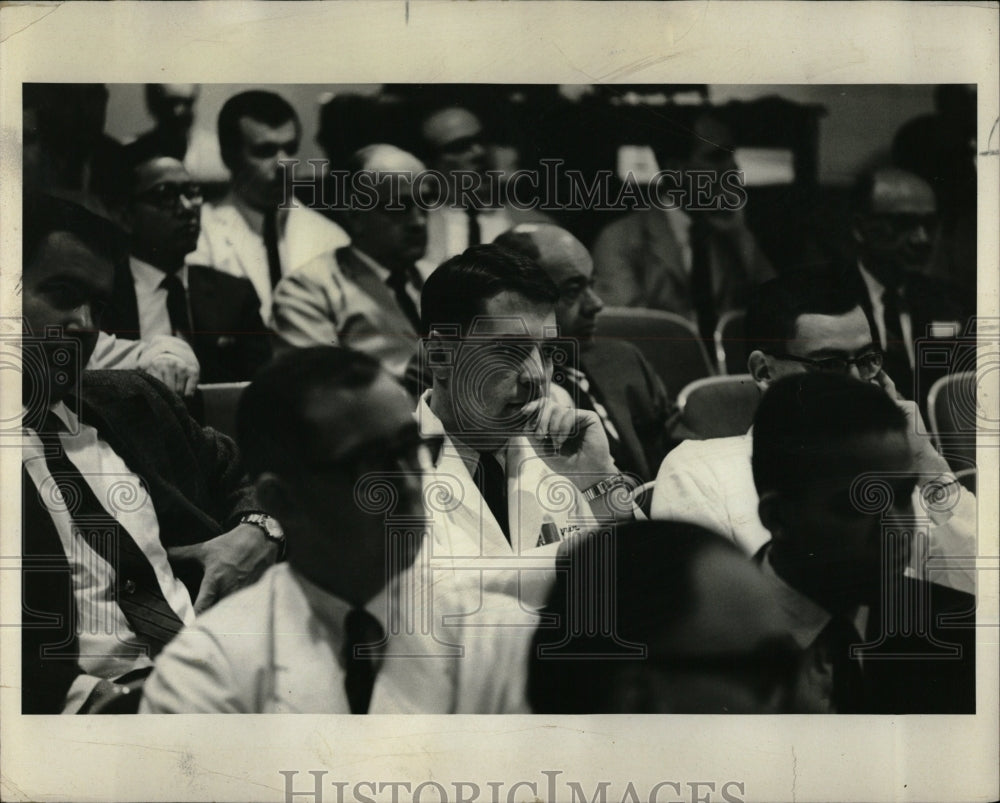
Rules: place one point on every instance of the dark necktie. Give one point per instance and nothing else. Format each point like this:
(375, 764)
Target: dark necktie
(492, 483)
(177, 306)
(848, 683)
(897, 362)
(589, 401)
(475, 235)
(362, 635)
(271, 246)
(397, 283)
(138, 592)
(702, 292)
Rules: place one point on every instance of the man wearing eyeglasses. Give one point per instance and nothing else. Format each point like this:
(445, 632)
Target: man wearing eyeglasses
(895, 229)
(217, 314)
(807, 322)
(354, 621)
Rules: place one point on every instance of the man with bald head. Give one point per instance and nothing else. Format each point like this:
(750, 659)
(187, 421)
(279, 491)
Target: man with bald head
(610, 377)
(365, 296)
(158, 294)
(895, 229)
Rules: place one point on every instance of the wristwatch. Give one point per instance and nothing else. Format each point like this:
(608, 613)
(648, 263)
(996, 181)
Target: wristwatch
(272, 530)
(605, 486)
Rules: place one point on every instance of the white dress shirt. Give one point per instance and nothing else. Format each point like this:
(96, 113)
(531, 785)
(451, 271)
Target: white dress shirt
(106, 642)
(277, 647)
(151, 298)
(710, 483)
(448, 233)
(875, 290)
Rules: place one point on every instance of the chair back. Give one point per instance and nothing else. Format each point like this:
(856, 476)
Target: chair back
(670, 342)
(953, 414)
(719, 406)
(219, 404)
(730, 342)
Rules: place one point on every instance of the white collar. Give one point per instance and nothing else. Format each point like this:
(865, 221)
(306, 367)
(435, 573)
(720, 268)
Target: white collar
(148, 277)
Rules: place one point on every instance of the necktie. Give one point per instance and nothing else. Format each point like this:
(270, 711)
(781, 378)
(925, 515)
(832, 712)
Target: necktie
(475, 235)
(271, 246)
(702, 292)
(363, 633)
(590, 402)
(397, 283)
(177, 307)
(848, 683)
(897, 362)
(492, 483)
(138, 592)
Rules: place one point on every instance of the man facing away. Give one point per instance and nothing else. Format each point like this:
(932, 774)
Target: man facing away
(808, 323)
(835, 472)
(256, 231)
(350, 623)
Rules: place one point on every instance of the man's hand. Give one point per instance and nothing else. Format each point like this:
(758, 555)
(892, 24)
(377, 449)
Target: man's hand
(231, 561)
(572, 442)
(171, 360)
(929, 463)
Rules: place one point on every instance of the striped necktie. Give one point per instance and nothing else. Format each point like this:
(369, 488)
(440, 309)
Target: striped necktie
(590, 402)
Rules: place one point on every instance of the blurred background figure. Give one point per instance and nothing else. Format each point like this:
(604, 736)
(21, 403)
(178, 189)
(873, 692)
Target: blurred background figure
(608, 376)
(661, 618)
(364, 296)
(255, 231)
(941, 149)
(692, 260)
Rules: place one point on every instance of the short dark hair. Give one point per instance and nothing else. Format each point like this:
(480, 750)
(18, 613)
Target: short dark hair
(520, 242)
(455, 293)
(46, 214)
(257, 104)
(642, 574)
(270, 422)
(804, 417)
(775, 305)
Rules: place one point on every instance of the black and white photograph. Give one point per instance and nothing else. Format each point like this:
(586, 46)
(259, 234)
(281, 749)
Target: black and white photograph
(380, 362)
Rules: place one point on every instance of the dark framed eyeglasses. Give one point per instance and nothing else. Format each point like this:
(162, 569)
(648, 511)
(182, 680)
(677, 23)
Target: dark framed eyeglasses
(868, 364)
(168, 196)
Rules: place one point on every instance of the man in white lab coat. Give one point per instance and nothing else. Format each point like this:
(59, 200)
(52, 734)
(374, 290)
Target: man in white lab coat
(517, 473)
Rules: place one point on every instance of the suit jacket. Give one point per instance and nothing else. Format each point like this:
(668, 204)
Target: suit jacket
(198, 488)
(638, 263)
(929, 300)
(636, 401)
(337, 299)
(229, 338)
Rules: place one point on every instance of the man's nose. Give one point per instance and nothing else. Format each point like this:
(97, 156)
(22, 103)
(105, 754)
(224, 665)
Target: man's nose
(81, 318)
(534, 369)
(592, 302)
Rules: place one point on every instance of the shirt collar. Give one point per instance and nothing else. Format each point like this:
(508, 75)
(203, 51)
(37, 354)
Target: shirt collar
(254, 217)
(148, 278)
(430, 425)
(333, 610)
(874, 286)
(63, 413)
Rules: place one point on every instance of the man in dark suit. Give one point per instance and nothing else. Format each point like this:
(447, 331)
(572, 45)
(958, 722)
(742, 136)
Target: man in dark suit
(134, 517)
(895, 229)
(835, 474)
(611, 377)
(158, 294)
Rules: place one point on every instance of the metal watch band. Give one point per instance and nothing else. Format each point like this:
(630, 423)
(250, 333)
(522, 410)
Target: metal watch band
(604, 486)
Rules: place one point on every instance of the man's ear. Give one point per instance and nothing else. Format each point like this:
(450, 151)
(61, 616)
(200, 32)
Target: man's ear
(772, 516)
(274, 496)
(439, 356)
(759, 366)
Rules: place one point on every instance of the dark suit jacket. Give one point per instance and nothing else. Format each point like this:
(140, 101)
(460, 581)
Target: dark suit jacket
(229, 338)
(628, 387)
(929, 299)
(198, 488)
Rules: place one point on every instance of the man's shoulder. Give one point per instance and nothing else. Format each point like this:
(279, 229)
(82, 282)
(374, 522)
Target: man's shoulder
(116, 384)
(710, 450)
(244, 612)
(218, 281)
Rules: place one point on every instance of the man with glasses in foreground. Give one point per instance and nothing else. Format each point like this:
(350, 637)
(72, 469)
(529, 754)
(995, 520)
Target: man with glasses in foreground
(811, 322)
(158, 294)
(351, 622)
